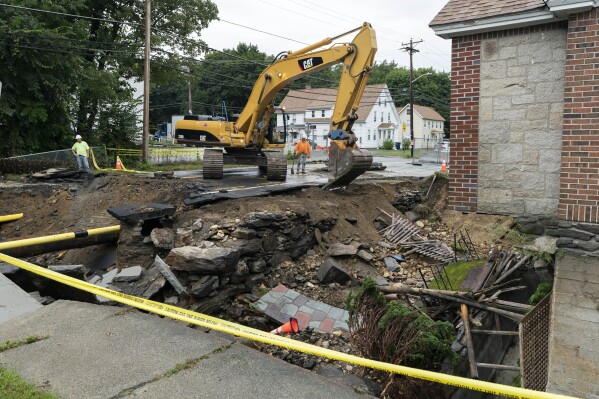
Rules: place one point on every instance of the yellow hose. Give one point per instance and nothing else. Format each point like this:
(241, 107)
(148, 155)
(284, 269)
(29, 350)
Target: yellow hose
(8, 218)
(58, 237)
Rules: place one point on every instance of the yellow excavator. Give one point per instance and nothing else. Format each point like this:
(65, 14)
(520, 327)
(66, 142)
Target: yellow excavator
(252, 139)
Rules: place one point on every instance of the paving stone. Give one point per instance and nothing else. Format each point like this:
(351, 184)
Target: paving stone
(132, 273)
(107, 278)
(318, 315)
(327, 325)
(289, 309)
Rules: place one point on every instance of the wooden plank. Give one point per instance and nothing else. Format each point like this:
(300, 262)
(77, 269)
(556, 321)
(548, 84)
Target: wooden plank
(469, 344)
(495, 332)
(498, 366)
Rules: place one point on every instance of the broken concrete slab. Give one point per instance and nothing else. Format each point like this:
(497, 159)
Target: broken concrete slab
(339, 249)
(201, 198)
(163, 238)
(150, 283)
(542, 244)
(76, 271)
(8, 269)
(132, 273)
(204, 287)
(166, 271)
(15, 302)
(281, 303)
(107, 278)
(215, 260)
(330, 271)
(136, 213)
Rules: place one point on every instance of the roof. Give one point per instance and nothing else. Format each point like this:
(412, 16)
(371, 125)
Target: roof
(465, 10)
(425, 112)
(385, 125)
(324, 98)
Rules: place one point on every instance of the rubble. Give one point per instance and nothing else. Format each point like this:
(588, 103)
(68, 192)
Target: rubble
(339, 249)
(331, 271)
(166, 271)
(76, 271)
(215, 260)
(204, 287)
(128, 274)
(163, 238)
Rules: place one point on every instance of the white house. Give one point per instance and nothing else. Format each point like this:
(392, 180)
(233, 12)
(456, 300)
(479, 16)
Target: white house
(428, 125)
(309, 111)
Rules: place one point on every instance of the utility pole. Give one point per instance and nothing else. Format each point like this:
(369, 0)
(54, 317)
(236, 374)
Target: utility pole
(409, 47)
(146, 127)
(187, 71)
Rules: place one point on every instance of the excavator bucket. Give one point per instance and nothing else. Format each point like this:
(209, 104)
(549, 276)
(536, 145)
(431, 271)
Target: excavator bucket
(346, 163)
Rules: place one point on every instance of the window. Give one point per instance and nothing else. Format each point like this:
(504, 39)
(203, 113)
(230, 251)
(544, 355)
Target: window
(313, 114)
(322, 113)
(288, 116)
(360, 139)
(389, 117)
(385, 103)
(368, 134)
(294, 119)
(375, 116)
(379, 102)
(324, 136)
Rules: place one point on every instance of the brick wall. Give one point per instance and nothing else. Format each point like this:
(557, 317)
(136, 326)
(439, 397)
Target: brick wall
(579, 179)
(463, 160)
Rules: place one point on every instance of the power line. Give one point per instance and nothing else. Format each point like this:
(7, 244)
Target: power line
(262, 31)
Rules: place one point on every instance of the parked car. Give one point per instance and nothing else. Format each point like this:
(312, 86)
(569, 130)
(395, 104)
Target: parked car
(442, 146)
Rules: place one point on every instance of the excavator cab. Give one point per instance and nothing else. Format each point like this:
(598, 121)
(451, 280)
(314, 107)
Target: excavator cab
(274, 135)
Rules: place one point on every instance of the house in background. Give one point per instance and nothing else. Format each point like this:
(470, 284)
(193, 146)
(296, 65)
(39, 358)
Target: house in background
(428, 125)
(310, 110)
(524, 142)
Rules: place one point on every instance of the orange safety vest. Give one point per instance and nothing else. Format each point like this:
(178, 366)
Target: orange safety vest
(303, 147)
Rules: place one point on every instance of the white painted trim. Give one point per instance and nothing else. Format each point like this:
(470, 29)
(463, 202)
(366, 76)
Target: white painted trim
(493, 24)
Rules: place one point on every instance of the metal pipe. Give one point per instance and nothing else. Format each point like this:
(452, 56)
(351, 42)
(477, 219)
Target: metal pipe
(9, 218)
(58, 237)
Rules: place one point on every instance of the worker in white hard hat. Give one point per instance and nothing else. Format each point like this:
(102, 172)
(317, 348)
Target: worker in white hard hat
(81, 151)
(302, 148)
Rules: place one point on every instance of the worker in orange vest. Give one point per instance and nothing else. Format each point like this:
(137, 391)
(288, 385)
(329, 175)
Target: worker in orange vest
(302, 148)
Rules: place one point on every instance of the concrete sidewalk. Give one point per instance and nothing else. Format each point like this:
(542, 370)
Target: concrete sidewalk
(107, 352)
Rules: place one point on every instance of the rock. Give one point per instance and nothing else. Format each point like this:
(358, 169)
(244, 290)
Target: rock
(532, 228)
(351, 220)
(309, 364)
(270, 243)
(540, 264)
(243, 233)
(391, 264)
(419, 223)
(171, 300)
(330, 271)
(197, 225)
(76, 271)
(365, 255)
(342, 250)
(128, 274)
(183, 237)
(588, 245)
(254, 280)
(576, 234)
(298, 248)
(204, 287)
(245, 247)
(565, 243)
(8, 269)
(258, 219)
(150, 283)
(213, 260)
(257, 266)
(44, 300)
(385, 245)
(205, 244)
(163, 238)
(94, 280)
(381, 281)
(413, 216)
(166, 271)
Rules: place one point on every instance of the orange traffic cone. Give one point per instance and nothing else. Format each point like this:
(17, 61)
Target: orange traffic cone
(443, 166)
(290, 327)
(119, 165)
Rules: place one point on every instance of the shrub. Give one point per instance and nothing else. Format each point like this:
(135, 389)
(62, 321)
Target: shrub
(406, 144)
(388, 144)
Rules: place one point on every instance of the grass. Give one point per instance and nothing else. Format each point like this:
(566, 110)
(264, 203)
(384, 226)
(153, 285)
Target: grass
(457, 273)
(26, 341)
(397, 153)
(13, 386)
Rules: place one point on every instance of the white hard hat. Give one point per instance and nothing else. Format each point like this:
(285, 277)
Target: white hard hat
(304, 135)
(77, 137)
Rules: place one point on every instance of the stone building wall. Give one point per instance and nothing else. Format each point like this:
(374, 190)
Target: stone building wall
(520, 121)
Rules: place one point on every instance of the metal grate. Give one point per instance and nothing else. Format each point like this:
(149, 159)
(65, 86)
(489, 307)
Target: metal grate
(534, 346)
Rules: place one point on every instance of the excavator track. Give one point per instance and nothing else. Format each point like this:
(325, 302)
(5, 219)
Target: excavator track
(346, 164)
(213, 164)
(276, 166)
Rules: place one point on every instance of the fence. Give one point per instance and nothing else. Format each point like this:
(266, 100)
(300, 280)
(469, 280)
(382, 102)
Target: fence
(534, 346)
(45, 160)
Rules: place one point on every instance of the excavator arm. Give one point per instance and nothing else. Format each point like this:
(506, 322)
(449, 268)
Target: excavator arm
(357, 58)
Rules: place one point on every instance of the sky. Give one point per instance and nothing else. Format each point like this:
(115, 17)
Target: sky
(309, 21)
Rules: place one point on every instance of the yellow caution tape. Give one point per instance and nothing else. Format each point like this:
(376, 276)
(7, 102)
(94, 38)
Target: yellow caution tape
(9, 218)
(228, 327)
(103, 169)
